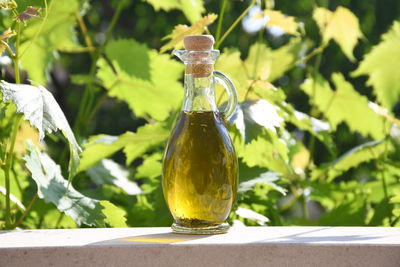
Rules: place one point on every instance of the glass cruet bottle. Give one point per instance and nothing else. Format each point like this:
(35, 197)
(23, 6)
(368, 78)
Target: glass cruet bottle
(200, 167)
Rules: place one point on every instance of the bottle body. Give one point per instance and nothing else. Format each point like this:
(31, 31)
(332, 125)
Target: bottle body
(200, 172)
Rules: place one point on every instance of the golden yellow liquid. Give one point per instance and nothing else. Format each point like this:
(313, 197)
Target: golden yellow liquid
(200, 170)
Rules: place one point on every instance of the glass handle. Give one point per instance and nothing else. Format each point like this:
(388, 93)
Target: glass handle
(230, 90)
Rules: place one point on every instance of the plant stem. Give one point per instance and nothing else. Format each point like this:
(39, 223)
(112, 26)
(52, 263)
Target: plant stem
(313, 53)
(220, 19)
(85, 106)
(26, 211)
(234, 24)
(59, 220)
(85, 33)
(9, 161)
(17, 122)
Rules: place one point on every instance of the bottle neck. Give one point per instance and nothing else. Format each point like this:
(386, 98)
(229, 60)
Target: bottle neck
(199, 93)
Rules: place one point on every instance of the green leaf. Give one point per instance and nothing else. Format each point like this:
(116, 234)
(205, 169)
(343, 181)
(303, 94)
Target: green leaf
(151, 167)
(142, 78)
(43, 37)
(382, 67)
(98, 147)
(341, 25)
(110, 172)
(360, 154)
(191, 9)
(43, 112)
(115, 216)
(381, 211)
(266, 151)
(350, 213)
(267, 178)
(52, 187)
(335, 106)
(263, 65)
(146, 138)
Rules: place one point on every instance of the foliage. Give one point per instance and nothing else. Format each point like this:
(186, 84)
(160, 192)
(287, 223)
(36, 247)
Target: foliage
(316, 145)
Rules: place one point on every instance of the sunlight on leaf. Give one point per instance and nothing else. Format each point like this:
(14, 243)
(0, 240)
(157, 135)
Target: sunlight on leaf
(180, 31)
(146, 138)
(341, 25)
(115, 216)
(57, 33)
(267, 178)
(266, 151)
(381, 66)
(139, 77)
(192, 9)
(110, 172)
(251, 215)
(335, 106)
(286, 23)
(12, 198)
(52, 187)
(252, 116)
(43, 112)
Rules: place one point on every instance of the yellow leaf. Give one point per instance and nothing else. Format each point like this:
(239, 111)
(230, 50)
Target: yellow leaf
(341, 25)
(4, 36)
(301, 158)
(26, 131)
(286, 23)
(180, 31)
(322, 16)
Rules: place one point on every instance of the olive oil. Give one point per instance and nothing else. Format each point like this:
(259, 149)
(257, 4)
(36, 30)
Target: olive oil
(200, 171)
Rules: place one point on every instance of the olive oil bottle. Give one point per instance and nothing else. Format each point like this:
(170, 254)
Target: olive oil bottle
(200, 169)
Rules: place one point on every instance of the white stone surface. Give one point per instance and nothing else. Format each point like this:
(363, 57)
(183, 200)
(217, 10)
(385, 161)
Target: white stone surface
(242, 246)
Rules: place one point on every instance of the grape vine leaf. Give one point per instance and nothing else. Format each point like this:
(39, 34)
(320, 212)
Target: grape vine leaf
(43, 37)
(268, 178)
(114, 215)
(359, 154)
(251, 118)
(262, 66)
(142, 78)
(43, 112)
(341, 25)
(382, 67)
(146, 138)
(180, 31)
(246, 213)
(335, 105)
(192, 9)
(286, 23)
(266, 151)
(53, 188)
(109, 172)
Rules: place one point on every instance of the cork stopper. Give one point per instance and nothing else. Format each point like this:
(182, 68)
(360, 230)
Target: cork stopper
(201, 45)
(198, 42)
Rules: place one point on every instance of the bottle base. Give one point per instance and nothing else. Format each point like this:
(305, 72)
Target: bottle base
(208, 230)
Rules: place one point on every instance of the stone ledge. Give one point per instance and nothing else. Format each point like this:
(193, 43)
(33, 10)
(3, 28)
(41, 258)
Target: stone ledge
(244, 246)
